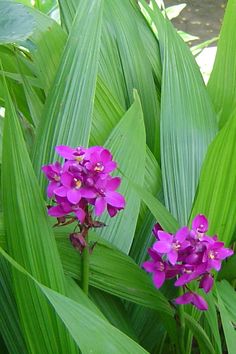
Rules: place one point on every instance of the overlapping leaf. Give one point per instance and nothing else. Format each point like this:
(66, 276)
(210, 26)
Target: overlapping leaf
(222, 83)
(131, 158)
(30, 241)
(217, 186)
(188, 123)
(68, 110)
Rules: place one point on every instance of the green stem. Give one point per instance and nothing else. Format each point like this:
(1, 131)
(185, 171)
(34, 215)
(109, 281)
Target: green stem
(180, 311)
(85, 267)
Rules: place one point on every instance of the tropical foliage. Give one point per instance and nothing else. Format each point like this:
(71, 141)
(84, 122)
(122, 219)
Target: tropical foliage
(114, 74)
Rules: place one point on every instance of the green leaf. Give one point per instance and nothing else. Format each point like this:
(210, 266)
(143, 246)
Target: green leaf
(114, 310)
(106, 115)
(9, 320)
(222, 82)
(68, 110)
(217, 186)
(136, 68)
(188, 123)
(131, 158)
(84, 325)
(226, 303)
(161, 214)
(22, 198)
(204, 343)
(15, 23)
(112, 271)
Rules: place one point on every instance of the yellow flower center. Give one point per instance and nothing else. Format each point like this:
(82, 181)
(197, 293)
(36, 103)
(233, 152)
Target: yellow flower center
(79, 158)
(99, 167)
(78, 183)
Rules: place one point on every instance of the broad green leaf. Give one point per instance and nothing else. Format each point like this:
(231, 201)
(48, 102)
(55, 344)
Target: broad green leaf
(106, 114)
(68, 110)
(122, 142)
(15, 23)
(30, 241)
(222, 83)
(161, 214)
(114, 310)
(84, 325)
(188, 123)
(67, 12)
(217, 186)
(228, 270)
(226, 302)
(112, 271)
(213, 323)
(204, 343)
(136, 66)
(143, 234)
(9, 319)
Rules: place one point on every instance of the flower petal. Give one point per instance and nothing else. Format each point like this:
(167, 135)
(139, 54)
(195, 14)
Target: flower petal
(200, 223)
(61, 191)
(80, 214)
(206, 283)
(115, 199)
(161, 246)
(173, 256)
(67, 179)
(158, 279)
(56, 211)
(149, 266)
(199, 302)
(65, 151)
(165, 236)
(74, 196)
(182, 233)
(100, 206)
(184, 299)
(87, 193)
(113, 184)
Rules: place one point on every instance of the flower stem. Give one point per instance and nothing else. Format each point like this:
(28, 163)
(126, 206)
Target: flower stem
(180, 310)
(85, 266)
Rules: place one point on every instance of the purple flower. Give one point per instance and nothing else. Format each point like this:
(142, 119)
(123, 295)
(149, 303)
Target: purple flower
(100, 161)
(188, 255)
(83, 180)
(194, 299)
(53, 173)
(107, 197)
(72, 187)
(157, 227)
(199, 226)
(72, 154)
(206, 283)
(171, 245)
(214, 254)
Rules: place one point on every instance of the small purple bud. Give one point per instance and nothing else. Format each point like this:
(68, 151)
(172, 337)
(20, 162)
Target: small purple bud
(78, 241)
(206, 283)
(157, 227)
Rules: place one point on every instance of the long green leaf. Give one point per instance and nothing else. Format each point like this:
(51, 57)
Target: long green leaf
(188, 123)
(84, 325)
(222, 83)
(217, 186)
(199, 334)
(68, 110)
(114, 272)
(131, 159)
(226, 303)
(30, 241)
(9, 319)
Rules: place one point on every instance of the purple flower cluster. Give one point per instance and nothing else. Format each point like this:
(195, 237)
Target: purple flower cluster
(84, 180)
(188, 255)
